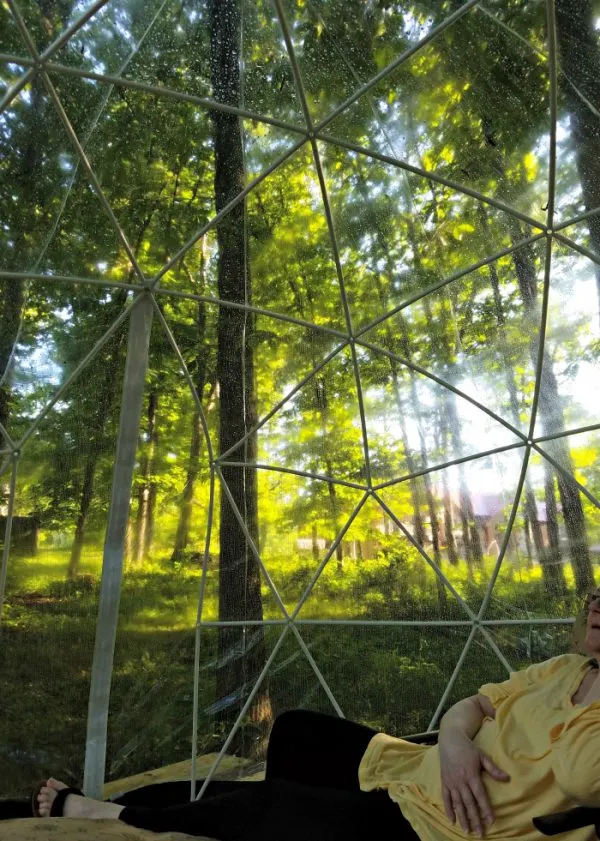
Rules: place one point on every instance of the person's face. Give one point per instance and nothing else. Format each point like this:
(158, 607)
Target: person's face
(592, 637)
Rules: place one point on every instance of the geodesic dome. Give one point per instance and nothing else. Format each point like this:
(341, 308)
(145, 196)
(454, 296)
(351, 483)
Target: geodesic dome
(298, 358)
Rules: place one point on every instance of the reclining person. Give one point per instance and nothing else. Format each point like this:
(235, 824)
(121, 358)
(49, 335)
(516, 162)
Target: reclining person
(518, 749)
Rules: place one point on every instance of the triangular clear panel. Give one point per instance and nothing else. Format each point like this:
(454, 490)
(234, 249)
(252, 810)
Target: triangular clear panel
(338, 55)
(46, 22)
(372, 657)
(112, 38)
(192, 323)
(175, 172)
(47, 342)
(174, 52)
(499, 108)
(478, 333)
(399, 234)
(69, 232)
(552, 545)
(377, 572)
(414, 422)
(300, 519)
(318, 429)
(289, 255)
(524, 20)
(460, 516)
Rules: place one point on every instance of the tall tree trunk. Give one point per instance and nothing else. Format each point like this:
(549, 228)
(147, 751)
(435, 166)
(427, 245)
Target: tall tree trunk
(239, 576)
(415, 490)
(551, 414)
(527, 533)
(580, 60)
(339, 550)
(415, 483)
(144, 522)
(471, 539)
(104, 401)
(551, 561)
(30, 183)
(315, 542)
(448, 517)
(182, 534)
(185, 514)
(11, 301)
(555, 572)
(85, 501)
(321, 403)
(426, 478)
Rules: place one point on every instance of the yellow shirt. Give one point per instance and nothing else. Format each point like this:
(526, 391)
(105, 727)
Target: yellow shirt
(548, 746)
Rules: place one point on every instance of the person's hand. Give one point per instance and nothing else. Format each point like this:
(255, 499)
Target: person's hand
(465, 797)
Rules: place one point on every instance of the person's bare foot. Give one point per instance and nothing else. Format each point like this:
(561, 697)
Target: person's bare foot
(74, 806)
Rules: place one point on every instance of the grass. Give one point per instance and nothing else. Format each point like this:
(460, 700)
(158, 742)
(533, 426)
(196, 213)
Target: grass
(389, 677)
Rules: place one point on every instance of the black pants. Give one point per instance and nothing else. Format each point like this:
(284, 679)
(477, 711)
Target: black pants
(310, 793)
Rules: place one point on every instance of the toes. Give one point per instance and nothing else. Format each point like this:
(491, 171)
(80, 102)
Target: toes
(57, 785)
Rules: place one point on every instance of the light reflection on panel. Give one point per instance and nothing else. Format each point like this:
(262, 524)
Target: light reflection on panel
(478, 333)
(570, 362)
(414, 422)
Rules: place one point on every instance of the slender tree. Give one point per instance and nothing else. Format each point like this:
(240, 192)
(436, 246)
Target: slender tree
(580, 64)
(239, 575)
(199, 372)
